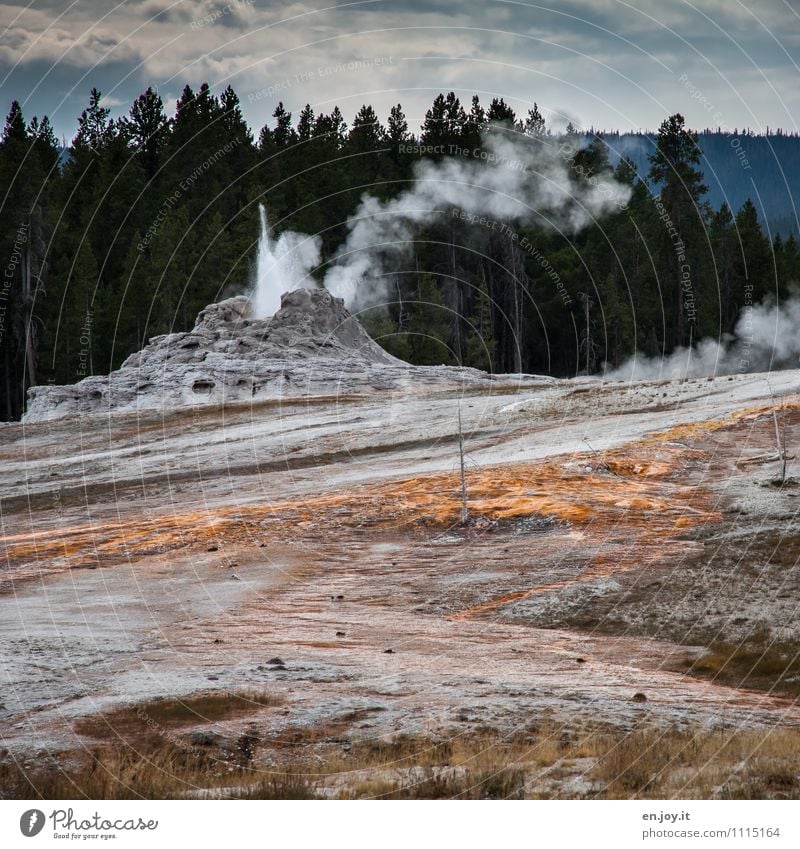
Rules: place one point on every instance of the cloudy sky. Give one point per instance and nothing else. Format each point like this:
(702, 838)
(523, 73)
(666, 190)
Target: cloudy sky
(602, 63)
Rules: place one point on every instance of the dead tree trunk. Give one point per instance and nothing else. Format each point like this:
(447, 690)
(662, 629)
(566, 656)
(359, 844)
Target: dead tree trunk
(464, 508)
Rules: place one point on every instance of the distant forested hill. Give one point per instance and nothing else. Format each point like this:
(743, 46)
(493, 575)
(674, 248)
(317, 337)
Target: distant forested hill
(736, 166)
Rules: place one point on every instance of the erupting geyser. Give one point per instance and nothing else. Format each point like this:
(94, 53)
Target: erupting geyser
(268, 288)
(282, 265)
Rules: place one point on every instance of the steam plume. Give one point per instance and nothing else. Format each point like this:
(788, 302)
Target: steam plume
(509, 179)
(767, 337)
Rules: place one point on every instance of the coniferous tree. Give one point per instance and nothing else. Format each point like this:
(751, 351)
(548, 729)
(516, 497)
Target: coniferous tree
(77, 328)
(148, 130)
(754, 266)
(364, 147)
(397, 126)
(430, 324)
(266, 140)
(283, 135)
(338, 128)
(500, 113)
(171, 261)
(305, 123)
(434, 127)
(95, 127)
(481, 345)
(535, 126)
(673, 164)
(456, 118)
(475, 124)
(787, 255)
(367, 134)
(682, 230)
(723, 243)
(591, 160)
(397, 136)
(26, 175)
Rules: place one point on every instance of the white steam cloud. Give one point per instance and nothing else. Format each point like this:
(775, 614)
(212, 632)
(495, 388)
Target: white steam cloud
(281, 266)
(767, 338)
(512, 178)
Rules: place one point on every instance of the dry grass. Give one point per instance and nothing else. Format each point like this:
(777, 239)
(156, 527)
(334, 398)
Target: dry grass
(746, 764)
(544, 761)
(149, 771)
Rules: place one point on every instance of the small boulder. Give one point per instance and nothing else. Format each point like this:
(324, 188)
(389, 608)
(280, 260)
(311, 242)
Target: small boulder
(204, 738)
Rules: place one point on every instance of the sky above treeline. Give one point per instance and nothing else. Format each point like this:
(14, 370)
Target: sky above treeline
(606, 64)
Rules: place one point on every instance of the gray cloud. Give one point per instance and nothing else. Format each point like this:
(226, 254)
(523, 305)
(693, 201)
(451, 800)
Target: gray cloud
(607, 63)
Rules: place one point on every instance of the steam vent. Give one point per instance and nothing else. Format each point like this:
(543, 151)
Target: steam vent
(311, 346)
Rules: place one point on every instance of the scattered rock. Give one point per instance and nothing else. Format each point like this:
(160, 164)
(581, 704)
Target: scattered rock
(213, 548)
(388, 651)
(639, 697)
(205, 738)
(246, 745)
(341, 634)
(275, 661)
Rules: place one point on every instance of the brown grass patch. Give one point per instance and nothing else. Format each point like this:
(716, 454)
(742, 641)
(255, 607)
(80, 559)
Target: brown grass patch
(733, 764)
(548, 761)
(153, 717)
(758, 663)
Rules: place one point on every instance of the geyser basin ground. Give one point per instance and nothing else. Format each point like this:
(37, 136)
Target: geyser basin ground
(303, 551)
